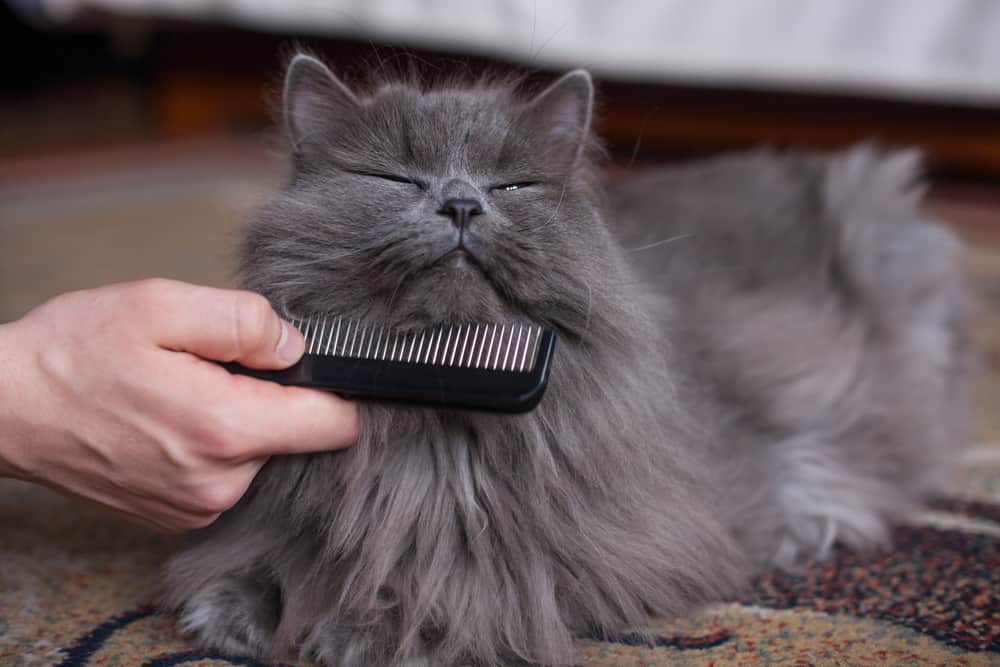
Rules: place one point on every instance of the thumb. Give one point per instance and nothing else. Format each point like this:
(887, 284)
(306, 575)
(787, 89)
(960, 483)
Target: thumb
(219, 324)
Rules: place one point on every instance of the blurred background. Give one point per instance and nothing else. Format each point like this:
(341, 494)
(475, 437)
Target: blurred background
(136, 134)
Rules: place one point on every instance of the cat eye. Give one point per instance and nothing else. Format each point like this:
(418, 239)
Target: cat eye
(511, 187)
(392, 177)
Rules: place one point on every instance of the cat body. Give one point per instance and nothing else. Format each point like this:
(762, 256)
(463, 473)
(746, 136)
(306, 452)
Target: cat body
(824, 316)
(686, 438)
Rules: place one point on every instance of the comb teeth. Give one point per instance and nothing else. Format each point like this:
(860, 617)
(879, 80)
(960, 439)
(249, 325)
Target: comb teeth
(509, 347)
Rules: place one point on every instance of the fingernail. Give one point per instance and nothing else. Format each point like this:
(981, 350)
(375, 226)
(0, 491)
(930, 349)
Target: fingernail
(290, 348)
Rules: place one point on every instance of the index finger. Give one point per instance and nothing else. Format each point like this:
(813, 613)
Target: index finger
(263, 418)
(217, 324)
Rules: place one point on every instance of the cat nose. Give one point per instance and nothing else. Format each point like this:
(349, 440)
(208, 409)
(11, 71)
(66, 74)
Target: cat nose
(461, 211)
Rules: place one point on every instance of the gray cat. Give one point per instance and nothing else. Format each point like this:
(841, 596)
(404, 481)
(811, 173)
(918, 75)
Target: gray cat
(759, 357)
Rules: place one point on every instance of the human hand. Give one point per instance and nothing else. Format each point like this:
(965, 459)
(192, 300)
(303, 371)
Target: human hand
(107, 395)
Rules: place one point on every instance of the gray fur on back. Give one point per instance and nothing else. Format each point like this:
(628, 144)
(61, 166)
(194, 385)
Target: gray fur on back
(824, 315)
(783, 375)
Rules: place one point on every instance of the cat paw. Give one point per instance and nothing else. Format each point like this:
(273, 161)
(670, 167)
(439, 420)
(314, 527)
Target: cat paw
(823, 503)
(230, 618)
(812, 537)
(804, 539)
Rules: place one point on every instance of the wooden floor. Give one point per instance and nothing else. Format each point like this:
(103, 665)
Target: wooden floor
(174, 210)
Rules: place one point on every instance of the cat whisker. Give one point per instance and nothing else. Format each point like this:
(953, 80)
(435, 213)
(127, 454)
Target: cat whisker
(395, 291)
(332, 258)
(534, 24)
(562, 195)
(642, 130)
(555, 34)
(555, 213)
(659, 243)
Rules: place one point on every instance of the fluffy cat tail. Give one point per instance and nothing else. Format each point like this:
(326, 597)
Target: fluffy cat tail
(886, 247)
(903, 271)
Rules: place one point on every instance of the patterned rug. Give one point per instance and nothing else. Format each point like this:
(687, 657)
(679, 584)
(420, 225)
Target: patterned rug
(79, 589)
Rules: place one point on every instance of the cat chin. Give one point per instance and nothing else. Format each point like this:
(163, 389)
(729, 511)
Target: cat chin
(454, 290)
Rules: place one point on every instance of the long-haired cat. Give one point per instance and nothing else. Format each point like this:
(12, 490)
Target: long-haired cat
(758, 357)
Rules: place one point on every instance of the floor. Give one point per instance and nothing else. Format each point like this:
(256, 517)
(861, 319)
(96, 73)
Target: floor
(174, 210)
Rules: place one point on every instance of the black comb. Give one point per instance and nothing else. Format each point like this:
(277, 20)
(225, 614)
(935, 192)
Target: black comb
(500, 368)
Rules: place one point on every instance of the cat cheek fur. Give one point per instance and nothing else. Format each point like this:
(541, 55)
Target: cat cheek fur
(671, 454)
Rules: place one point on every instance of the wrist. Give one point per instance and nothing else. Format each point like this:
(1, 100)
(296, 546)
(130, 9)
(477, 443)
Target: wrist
(7, 467)
(14, 427)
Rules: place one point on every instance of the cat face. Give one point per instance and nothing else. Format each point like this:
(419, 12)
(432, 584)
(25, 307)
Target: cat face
(465, 203)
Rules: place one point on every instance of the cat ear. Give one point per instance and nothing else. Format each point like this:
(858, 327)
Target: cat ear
(315, 101)
(560, 116)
